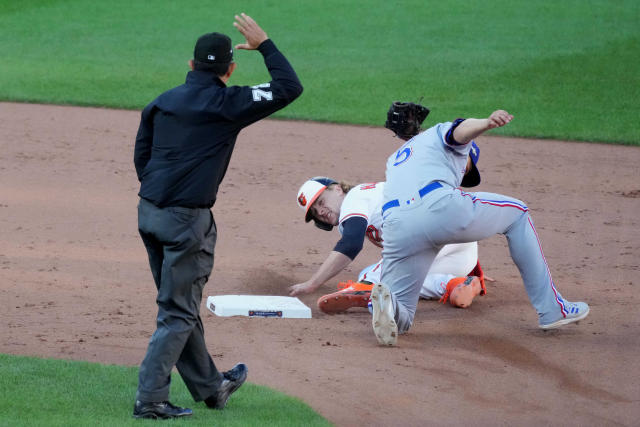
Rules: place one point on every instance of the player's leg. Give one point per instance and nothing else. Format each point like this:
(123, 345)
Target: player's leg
(454, 261)
(457, 259)
(405, 277)
(371, 273)
(406, 259)
(433, 287)
(481, 215)
(526, 251)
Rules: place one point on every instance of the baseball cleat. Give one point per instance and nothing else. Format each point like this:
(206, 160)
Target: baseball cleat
(383, 321)
(479, 273)
(577, 311)
(461, 291)
(351, 294)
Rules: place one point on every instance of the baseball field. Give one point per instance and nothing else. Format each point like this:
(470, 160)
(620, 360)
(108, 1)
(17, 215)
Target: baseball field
(74, 280)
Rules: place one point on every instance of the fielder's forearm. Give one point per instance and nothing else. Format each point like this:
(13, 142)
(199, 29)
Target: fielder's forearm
(470, 129)
(334, 264)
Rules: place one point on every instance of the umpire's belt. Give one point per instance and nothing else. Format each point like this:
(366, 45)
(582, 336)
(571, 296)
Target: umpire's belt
(423, 192)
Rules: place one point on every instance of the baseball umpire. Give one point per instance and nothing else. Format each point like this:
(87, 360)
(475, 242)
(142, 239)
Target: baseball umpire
(182, 151)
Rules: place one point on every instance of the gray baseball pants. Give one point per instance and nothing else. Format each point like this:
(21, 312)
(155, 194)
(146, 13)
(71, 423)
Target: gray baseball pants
(415, 232)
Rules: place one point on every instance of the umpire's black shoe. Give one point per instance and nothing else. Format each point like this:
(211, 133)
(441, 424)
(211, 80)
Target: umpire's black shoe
(232, 381)
(159, 410)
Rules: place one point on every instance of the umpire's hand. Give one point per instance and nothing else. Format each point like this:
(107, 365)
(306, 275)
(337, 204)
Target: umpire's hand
(251, 31)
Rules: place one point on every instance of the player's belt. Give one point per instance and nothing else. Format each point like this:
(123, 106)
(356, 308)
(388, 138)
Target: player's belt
(422, 192)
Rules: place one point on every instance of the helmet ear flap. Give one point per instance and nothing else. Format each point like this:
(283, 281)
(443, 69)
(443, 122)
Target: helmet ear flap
(322, 225)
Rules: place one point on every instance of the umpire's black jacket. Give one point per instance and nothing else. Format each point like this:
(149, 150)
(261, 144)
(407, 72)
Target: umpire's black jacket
(187, 134)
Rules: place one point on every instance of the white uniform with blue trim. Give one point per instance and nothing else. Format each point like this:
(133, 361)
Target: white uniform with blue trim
(417, 224)
(365, 201)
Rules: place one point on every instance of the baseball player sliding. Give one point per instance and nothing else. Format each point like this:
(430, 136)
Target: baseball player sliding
(424, 210)
(455, 275)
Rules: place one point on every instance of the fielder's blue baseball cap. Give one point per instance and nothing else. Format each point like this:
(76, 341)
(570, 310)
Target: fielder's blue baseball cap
(472, 178)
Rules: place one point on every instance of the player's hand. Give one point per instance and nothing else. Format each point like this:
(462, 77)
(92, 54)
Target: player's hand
(498, 119)
(301, 289)
(251, 32)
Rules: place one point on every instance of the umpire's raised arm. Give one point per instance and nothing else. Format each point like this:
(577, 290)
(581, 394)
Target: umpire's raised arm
(266, 98)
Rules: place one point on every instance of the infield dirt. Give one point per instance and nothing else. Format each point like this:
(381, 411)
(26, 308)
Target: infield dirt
(75, 284)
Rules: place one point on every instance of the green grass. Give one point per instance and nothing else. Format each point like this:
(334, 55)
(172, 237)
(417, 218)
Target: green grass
(47, 392)
(567, 70)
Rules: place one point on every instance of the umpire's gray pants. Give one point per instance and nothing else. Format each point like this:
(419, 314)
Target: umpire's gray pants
(180, 244)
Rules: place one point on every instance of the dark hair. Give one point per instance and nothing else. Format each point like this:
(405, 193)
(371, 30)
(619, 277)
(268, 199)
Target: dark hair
(218, 69)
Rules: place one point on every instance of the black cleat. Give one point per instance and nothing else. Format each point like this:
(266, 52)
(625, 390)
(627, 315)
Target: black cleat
(159, 410)
(233, 379)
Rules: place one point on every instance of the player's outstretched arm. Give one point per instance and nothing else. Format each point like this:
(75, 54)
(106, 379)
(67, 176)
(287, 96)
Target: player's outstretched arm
(334, 264)
(251, 31)
(472, 128)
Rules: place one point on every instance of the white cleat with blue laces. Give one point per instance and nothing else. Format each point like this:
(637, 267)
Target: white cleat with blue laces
(575, 311)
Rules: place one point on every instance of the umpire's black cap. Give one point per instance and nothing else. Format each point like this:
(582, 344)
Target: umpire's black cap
(213, 48)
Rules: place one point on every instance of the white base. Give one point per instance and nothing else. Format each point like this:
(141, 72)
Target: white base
(258, 306)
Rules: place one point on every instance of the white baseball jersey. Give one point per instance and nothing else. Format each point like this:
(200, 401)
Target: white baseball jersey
(365, 200)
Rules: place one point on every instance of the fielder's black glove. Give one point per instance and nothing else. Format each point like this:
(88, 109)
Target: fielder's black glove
(405, 118)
